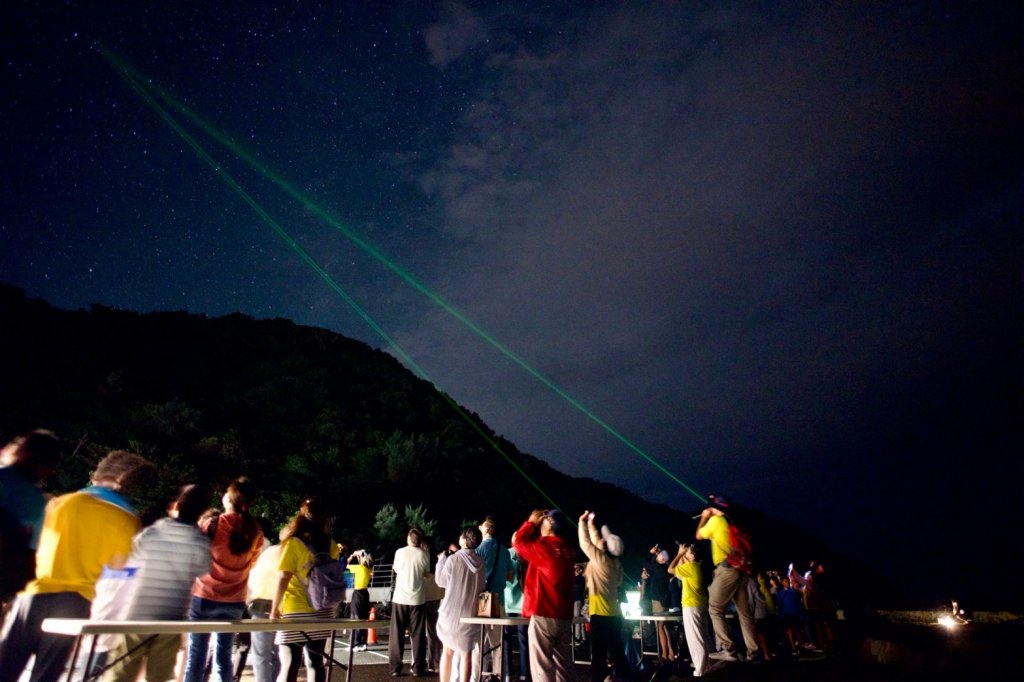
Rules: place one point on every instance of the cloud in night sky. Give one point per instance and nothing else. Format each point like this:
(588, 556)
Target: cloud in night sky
(706, 218)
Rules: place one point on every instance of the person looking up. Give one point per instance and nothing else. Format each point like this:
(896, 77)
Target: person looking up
(461, 574)
(497, 573)
(305, 536)
(360, 565)
(604, 577)
(728, 583)
(407, 605)
(695, 607)
(235, 543)
(657, 587)
(170, 555)
(82, 533)
(547, 593)
(260, 589)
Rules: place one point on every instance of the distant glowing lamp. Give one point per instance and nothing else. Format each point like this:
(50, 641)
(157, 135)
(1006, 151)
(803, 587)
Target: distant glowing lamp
(955, 617)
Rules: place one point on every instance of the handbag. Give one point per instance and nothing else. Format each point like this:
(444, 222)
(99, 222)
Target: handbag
(488, 605)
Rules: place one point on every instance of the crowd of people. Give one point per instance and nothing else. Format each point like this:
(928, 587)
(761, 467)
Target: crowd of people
(92, 558)
(573, 592)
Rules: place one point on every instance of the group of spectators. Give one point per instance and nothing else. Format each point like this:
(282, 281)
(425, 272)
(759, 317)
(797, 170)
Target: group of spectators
(742, 613)
(92, 558)
(536, 577)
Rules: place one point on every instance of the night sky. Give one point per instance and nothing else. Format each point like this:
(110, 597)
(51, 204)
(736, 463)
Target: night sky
(775, 246)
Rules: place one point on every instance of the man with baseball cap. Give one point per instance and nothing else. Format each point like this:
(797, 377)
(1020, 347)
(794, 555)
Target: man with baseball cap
(547, 593)
(728, 583)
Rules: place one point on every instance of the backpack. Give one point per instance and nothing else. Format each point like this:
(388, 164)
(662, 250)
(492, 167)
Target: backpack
(741, 553)
(325, 584)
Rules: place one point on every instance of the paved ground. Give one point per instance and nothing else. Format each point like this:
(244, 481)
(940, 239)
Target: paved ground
(889, 654)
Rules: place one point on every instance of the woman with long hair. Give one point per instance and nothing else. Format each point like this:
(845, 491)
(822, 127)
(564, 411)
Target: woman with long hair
(305, 536)
(235, 544)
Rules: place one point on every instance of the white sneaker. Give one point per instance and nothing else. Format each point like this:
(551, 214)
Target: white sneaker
(724, 655)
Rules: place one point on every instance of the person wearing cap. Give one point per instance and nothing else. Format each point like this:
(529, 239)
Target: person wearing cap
(728, 584)
(547, 593)
(603, 575)
(660, 596)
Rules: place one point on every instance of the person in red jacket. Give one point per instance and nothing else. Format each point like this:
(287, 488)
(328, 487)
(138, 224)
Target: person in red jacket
(548, 593)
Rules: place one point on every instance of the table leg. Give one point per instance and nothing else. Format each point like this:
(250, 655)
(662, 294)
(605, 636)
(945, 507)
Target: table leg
(330, 657)
(351, 654)
(74, 659)
(483, 629)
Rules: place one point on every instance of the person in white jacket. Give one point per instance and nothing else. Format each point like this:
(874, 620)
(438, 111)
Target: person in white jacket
(461, 575)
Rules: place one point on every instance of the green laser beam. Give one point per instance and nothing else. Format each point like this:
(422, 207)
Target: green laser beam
(324, 275)
(378, 255)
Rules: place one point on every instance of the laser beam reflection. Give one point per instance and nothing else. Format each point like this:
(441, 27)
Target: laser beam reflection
(143, 85)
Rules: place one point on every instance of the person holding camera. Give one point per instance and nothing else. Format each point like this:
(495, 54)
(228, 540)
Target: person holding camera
(695, 607)
(604, 577)
(547, 593)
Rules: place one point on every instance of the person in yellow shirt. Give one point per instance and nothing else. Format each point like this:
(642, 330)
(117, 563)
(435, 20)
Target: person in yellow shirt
(82, 532)
(728, 584)
(604, 576)
(360, 565)
(308, 533)
(695, 607)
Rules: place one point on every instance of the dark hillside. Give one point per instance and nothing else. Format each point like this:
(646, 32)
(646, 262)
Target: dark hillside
(301, 411)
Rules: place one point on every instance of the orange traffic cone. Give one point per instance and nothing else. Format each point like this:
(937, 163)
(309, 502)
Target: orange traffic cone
(371, 636)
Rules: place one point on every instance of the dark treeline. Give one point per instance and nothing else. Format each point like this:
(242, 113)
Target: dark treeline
(300, 411)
